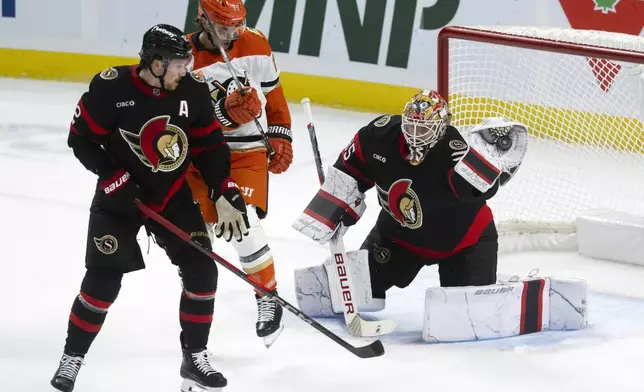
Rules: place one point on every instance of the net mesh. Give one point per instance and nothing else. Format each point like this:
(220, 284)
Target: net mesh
(585, 117)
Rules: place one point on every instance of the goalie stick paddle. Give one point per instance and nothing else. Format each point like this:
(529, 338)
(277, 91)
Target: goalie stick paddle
(375, 349)
(356, 325)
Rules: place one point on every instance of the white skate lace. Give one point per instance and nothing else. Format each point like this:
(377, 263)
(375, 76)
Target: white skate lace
(203, 364)
(69, 366)
(266, 309)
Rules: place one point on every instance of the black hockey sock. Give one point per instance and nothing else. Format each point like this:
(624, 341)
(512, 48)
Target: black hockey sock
(195, 316)
(99, 289)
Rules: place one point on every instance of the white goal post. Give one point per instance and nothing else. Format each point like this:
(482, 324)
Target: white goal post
(581, 94)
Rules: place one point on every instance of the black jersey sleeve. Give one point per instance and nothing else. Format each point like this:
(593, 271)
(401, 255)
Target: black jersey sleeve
(352, 159)
(210, 153)
(92, 124)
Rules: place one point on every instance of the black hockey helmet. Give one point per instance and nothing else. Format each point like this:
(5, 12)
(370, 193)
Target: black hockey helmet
(166, 43)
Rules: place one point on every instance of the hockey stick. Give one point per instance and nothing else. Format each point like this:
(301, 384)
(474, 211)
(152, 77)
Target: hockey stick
(342, 273)
(224, 54)
(375, 349)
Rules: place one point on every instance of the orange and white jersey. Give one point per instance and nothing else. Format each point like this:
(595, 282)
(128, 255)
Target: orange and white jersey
(254, 65)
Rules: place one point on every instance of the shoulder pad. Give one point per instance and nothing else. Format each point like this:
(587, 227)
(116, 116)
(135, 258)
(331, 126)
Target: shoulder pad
(256, 32)
(385, 122)
(198, 76)
(110, 73)
(382, 121)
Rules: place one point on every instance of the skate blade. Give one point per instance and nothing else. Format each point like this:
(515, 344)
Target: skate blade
(191, 386)
(270, 339)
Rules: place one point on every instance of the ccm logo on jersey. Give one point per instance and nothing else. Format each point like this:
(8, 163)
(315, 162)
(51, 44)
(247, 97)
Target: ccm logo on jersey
(380, 158)
(124, 104)
(117, 184)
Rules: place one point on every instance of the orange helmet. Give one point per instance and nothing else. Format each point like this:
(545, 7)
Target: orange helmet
(223, 12)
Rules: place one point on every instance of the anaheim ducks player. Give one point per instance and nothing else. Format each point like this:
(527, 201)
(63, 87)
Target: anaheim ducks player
(432, 186)
(252, 59)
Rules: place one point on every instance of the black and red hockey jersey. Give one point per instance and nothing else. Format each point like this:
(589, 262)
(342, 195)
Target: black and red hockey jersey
(154, 134)
(427, 208)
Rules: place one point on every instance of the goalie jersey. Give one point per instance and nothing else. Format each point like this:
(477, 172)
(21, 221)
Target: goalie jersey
(427, 208)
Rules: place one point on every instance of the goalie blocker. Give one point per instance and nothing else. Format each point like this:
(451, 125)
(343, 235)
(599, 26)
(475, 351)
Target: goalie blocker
(454, 314)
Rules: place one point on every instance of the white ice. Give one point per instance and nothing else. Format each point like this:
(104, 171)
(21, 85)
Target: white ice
(44, 198)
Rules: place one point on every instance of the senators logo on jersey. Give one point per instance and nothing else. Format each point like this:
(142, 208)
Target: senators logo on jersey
(159, 144)
(402, 203)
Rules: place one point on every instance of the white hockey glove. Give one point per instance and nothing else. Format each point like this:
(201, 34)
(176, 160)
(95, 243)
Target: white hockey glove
(232, 220)
(337, 205)
(496, 149)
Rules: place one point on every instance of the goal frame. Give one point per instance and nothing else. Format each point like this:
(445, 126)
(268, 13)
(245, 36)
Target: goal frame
(505, 39)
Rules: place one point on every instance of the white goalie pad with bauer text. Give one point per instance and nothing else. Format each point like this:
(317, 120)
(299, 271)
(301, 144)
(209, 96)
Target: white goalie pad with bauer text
(319, 296)
(454, 314)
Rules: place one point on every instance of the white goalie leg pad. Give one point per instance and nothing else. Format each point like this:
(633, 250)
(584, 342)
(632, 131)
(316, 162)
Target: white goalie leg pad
(359, 266)
(568, 304)
(318, 297)
(454, 314)
(312, 291)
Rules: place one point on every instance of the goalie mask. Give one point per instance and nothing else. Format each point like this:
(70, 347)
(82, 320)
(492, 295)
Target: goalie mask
(424, 122)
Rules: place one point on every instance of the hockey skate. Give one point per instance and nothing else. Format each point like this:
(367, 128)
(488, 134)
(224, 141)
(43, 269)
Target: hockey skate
(198, 374)
(269, 319)
(65, 376)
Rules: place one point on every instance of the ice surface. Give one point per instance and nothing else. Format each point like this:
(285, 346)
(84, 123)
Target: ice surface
(44, 199)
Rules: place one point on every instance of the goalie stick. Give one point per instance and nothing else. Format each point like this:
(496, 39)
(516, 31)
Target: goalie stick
(374, 349)
(224, 54)
(356, 325)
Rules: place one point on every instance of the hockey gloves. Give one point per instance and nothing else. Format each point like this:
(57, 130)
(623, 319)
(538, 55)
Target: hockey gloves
(496, 149)
(237, 109)
(232, 220)
(280, 138)
(337, 205)
(115, 193)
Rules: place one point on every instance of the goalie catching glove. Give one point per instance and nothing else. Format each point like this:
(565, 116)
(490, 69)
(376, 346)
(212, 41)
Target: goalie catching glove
(497, 147)
(232, 220)
(337, 205)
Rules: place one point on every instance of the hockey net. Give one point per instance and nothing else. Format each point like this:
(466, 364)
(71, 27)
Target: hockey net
(581, 94)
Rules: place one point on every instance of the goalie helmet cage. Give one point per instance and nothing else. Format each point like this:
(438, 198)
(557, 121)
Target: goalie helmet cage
(581, 94)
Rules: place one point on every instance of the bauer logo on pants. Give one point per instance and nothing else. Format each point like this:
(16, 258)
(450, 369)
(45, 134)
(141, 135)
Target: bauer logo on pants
(107, 244)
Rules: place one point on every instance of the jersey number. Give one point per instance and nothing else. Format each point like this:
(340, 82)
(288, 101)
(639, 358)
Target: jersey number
(77, 114)
(351, 148)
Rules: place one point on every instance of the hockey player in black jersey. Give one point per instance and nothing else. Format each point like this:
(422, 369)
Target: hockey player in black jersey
(432, 186)
(138, 128)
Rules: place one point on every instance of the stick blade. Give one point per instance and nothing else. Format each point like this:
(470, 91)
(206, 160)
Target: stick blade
(375, 349)
(377, 328)
(363, 328)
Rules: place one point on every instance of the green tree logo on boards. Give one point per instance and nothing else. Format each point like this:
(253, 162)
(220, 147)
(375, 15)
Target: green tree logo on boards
(362, 35)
